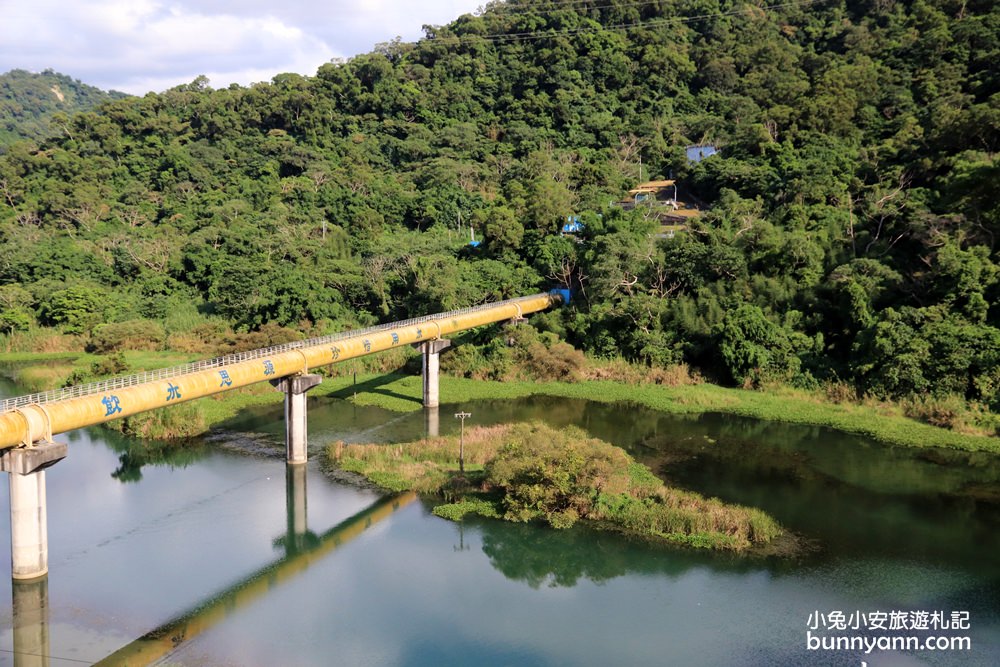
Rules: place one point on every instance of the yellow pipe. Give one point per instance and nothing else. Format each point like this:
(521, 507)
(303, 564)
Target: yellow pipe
(34, 423)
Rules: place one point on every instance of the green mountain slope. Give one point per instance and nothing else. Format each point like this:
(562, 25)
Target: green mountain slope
(852, 234)
(29, 102)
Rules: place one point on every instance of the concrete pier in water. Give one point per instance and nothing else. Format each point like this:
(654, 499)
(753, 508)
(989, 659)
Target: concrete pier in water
(295, 388)
(29, 542)
(431, 367)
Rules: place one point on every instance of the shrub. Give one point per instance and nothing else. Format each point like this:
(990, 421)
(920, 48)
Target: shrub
(130, 335)
(186, 342)
(14, 319)
(76, 309)
(543, 356)
(551, 474)
(560, 362)
(678, 375)
(457, 511)
(268, 335)
(184, 420)
(467, 361)
(840, 392)
(102, 368)
(947, 411)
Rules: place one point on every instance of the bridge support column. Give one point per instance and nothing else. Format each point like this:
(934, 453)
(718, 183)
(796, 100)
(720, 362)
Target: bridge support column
(29, 540)
(431, 369)
(295, 388)
(31, 622)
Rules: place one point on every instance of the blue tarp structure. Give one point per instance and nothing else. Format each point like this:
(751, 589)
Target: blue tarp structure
(563, 293)
(573, 225)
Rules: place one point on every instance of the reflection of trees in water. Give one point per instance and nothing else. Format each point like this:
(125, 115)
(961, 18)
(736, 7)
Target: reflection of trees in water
(556, 558)
(882, 501)
(134, 455)
(538, 555)
(621, 424)
(794, 452)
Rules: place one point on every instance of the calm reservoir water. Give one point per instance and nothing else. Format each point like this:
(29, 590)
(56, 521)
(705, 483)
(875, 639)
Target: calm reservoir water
(218, 558)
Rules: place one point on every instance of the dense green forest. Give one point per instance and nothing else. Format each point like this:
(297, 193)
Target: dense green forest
(36, 106)
(851, 235)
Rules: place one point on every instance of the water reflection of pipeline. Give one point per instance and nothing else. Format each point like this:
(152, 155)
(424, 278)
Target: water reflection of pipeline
(166, 638)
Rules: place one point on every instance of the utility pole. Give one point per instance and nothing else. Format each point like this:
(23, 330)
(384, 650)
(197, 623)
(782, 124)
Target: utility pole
(461, 441)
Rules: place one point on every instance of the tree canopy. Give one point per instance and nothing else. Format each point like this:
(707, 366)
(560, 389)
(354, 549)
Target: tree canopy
(851, 222)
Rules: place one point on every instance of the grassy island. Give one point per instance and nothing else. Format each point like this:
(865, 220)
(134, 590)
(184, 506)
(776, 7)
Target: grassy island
(532, 472)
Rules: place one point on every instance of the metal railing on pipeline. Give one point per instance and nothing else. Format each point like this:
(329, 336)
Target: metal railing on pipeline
(104, 386)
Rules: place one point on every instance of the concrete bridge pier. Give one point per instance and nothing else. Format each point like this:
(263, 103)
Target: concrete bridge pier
(431, 366)
(31, 622)
(29, 540)
(295, 388)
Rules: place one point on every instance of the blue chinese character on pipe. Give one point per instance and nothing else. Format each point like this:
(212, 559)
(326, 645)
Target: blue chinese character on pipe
(112, 405)
(173, 391)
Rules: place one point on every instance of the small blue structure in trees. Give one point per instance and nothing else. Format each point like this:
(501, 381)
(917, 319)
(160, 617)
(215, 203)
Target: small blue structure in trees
(573, 225)
(563, 293)
(473, 243)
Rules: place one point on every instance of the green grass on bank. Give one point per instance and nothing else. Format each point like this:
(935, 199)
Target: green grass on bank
(398, 392)
(42, 371)
(402, 393)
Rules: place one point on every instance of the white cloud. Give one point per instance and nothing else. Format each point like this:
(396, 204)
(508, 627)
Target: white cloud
(142, 45)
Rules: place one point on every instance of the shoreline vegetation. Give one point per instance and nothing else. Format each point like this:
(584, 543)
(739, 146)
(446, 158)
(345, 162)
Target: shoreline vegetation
(383, 384)
(527, 472)
(533, 472)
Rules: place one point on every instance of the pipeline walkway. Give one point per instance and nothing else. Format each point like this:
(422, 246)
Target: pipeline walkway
(28, 423)
(25, 420)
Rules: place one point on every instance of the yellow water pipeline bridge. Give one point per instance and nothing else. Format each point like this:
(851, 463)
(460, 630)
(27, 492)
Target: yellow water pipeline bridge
(25, 420)
(28, 423)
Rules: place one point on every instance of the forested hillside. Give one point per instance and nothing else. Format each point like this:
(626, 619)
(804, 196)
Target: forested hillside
(851, 236)
(36, 106)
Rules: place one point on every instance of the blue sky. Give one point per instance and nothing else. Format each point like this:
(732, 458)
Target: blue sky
(137, 46)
